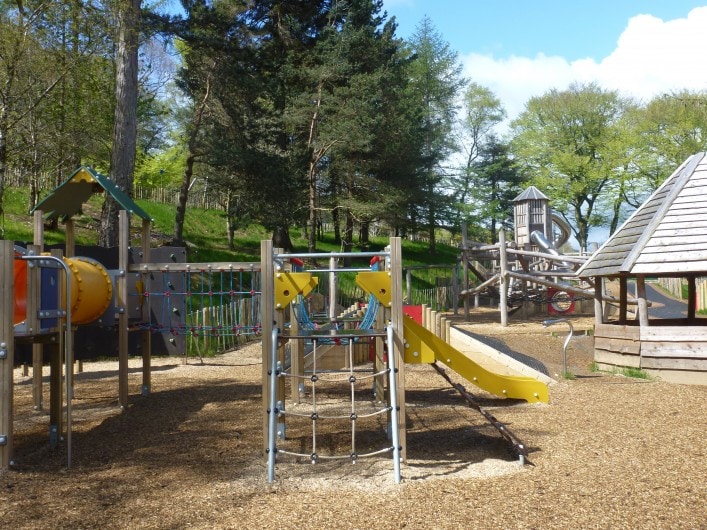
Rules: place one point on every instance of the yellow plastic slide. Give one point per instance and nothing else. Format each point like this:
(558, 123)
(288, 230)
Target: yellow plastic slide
(422, 346)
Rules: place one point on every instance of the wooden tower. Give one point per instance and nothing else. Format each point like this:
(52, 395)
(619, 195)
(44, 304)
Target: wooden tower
(531, 212)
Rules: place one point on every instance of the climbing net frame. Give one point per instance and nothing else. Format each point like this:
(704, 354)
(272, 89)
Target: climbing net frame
(317, 414)
(276, 371)
(206, 302)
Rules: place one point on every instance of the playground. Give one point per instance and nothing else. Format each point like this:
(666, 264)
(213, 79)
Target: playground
(230, 439)
(610, 452)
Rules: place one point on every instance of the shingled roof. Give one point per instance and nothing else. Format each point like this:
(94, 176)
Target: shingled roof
(666, 235)
(531, 192)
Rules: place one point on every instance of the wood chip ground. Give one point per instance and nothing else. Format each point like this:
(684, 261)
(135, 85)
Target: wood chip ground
(609, 452)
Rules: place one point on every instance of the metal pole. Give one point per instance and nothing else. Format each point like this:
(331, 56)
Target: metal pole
(333, 255)
(272, 419)
(393, 390)
(548, 323)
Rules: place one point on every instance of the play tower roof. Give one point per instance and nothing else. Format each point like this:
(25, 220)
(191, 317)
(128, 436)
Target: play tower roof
(667, 235)
(67, 199)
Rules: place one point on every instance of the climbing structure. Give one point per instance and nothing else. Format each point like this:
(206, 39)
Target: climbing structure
(284, 289)
(398, 341)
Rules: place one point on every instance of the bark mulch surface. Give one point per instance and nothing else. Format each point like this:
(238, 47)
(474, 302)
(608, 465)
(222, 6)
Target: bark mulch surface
(608, 452)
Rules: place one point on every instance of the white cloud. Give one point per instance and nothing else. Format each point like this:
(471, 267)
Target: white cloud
(652, 57)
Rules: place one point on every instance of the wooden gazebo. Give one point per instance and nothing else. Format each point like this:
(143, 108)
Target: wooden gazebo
(666, 237)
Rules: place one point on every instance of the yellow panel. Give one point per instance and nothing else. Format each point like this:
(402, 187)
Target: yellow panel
(82, 176)
(290, 284)
(431, 348)
(376, 283)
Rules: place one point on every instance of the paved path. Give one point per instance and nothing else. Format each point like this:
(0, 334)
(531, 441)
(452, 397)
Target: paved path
(669, 307)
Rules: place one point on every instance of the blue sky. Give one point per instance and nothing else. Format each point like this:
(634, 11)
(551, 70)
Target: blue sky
(522, 48)
(569, 28)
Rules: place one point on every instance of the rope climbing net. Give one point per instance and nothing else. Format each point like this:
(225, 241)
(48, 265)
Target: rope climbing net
(199, 300)
(321, 408)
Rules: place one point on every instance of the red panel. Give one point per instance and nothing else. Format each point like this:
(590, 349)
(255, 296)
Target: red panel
(413, 311)
(559, 302)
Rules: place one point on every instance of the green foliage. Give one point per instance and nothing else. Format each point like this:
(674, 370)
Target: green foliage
(163, 169)
(635, 373)
(565, 141)
(436, 82)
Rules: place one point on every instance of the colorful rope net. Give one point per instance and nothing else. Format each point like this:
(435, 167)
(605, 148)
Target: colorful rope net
(201, 301)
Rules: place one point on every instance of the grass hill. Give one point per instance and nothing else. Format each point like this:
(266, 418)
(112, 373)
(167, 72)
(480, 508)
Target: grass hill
(204, 230)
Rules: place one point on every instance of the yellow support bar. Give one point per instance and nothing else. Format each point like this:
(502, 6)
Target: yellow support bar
(376, 283)
(290, 284)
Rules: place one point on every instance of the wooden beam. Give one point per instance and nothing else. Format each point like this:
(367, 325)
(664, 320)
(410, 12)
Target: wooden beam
(623, 298)
(7, 349)
(396, 319)
(691, 297)
(504, 277)
(642, 301)
(598, 301)
(267, 304)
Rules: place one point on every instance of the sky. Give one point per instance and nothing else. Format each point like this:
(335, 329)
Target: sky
(523, 48)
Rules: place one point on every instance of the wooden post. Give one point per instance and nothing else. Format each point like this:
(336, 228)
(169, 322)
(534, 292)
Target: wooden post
(642, 301)
(146, 336)
(691, 297)
(121, 301)
(443, 329)
(408, 285)
(7, 350)
(455, 289)
(504, 277)
(465, 264)
(623, 299)
(397, 349)
(267, 304)
(598, 300)
(70, 239)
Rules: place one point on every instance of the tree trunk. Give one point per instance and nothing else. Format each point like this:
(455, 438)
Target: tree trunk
(179, 216)
(230, 221)
(125, 126)
(178, 235)
(337, 226)
(348, 236)
(431, 220)
(364, 233)
(3, 161)
(281, 239)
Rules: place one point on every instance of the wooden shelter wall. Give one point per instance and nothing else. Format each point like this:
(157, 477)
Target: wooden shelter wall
(667, 347)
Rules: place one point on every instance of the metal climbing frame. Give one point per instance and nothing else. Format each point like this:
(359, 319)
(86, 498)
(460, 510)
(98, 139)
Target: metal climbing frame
(316, 415)
(279, 288)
